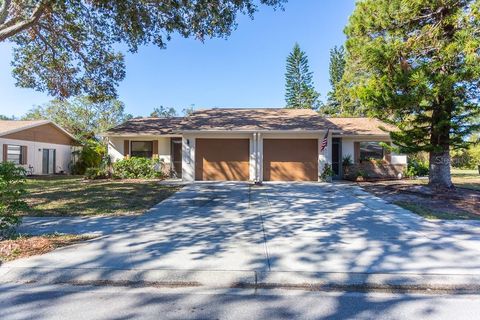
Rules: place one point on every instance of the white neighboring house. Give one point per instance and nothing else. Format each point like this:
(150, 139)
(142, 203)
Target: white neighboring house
(40, 146)
(266, 144)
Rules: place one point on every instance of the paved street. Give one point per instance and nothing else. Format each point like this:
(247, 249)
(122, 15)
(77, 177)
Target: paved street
(54, 302)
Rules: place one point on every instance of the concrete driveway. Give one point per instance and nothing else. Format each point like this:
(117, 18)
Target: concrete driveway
(223, 234)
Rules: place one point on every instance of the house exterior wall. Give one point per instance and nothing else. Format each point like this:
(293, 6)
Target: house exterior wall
(116, 146)
(188, 151)
(256, 149)
(348, 148)
(63, 157)
(47, 133)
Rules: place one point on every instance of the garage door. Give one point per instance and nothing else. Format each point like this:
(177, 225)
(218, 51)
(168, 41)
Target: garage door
(290, 159)
(222, 159)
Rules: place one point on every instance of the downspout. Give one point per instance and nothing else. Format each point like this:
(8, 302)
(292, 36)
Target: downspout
(255, 149)
(259, 164)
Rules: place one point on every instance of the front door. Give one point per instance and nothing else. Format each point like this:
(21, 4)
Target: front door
(176, 152)
(48, 161)
(337, 158)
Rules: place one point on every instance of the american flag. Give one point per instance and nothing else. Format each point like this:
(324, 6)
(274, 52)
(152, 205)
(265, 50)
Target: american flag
(324, 144)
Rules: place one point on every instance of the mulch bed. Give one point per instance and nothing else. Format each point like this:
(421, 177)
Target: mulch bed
(451, 201)
(22, 247)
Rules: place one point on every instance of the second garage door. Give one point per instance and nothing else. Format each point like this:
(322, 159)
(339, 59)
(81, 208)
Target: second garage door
(290, 159)
(222, 159)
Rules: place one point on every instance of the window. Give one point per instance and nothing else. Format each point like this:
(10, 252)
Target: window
(142, 149)
(371, 150)
(15, 154)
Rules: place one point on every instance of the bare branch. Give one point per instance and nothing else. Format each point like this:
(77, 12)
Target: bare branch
(37, 13)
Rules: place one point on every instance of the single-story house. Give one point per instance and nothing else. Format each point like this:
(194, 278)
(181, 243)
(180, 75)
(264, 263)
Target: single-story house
(40, 146)
(255, 144)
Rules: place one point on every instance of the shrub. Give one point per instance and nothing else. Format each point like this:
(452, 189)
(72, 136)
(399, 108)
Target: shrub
(138, 168)
(96, 173)
(12, 188)
(347, 161)
(89, 156)
(327, 172)
(416, 168)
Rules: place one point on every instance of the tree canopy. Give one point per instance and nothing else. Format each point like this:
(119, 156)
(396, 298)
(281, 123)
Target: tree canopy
(163, 112)
(81, 116)
(299, 89)
(416, 64)
(68, 47)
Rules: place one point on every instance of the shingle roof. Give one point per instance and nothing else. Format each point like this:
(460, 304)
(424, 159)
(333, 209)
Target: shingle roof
(256, 119)
(361, 126)
(7, 126)
(147, 126)
(238, 119)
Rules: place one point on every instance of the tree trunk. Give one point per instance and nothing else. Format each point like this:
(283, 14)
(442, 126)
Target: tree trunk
(439, 176)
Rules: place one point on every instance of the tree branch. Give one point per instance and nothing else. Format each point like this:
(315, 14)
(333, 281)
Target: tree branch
(4, 10)
(25, 24)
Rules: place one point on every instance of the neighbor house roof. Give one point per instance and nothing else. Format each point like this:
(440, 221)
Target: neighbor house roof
(361, 126)
(12, 126)
(267, 119)
(238, 119)
(147, 126)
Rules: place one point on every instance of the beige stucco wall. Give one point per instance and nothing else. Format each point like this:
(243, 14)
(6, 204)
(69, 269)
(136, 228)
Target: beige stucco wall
(115, 148)
(116, 144)
(63, 156)
(348, 148)
(256, 155)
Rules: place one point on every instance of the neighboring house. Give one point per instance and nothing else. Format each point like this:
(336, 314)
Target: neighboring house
(255, 144)
(40, 146)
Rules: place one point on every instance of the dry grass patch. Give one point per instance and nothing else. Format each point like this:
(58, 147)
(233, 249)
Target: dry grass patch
(26, 246)
(414, 195)
(70, 195)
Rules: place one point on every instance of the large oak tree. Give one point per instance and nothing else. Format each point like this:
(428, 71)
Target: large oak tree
(67, 47)
(416, 64)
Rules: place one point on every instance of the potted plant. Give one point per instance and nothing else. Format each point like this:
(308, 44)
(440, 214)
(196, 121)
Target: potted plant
(327, 173)
(347, 162)
(361, 175)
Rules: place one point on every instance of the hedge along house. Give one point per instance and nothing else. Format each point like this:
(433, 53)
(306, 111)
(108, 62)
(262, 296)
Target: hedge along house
(40, 146)
(258, 145)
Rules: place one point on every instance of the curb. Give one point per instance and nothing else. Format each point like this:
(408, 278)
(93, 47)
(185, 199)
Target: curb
(311, 281)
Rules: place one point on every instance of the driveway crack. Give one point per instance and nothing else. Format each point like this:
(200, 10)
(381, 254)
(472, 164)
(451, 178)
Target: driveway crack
(262, 220)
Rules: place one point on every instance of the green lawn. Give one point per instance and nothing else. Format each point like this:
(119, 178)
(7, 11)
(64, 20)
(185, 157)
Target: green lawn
(469, 179)
(72, 195)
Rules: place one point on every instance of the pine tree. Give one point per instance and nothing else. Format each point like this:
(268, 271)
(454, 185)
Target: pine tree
(336, 70)
(300, 92)
(416, 64)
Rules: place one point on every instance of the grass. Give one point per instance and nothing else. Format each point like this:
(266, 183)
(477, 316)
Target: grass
(26, 246)
(73, 195)
(461, 178)
(430, 213)
(468, 179)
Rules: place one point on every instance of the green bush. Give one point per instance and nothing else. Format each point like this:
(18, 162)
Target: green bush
(416, 168)
(12, 188)
(89, 156)
(96, 173)
(138, 168)
(327, 172)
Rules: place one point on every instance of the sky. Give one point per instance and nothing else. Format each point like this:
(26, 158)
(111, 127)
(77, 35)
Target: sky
(245, 70)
